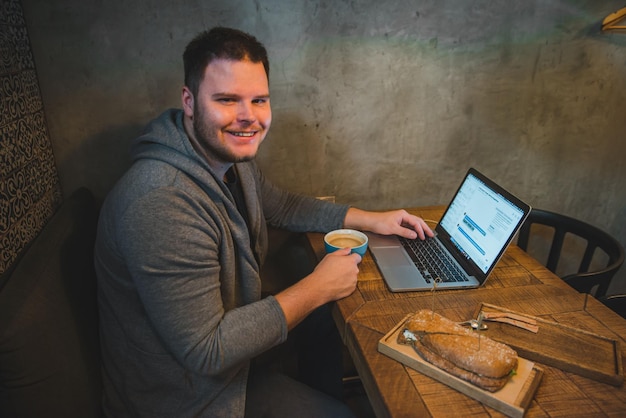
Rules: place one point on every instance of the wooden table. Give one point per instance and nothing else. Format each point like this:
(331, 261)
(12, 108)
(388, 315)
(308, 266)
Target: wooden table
(519, 283)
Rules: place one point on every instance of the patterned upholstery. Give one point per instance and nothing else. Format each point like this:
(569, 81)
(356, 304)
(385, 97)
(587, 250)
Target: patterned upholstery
(30, 191)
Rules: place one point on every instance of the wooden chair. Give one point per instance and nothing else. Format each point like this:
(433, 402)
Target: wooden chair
(589, 275)
(617, 303)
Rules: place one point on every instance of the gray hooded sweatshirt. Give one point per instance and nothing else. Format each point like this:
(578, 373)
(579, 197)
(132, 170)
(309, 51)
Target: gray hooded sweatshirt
(179, 291)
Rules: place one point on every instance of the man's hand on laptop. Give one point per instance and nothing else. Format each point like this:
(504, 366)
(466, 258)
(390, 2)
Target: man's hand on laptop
(395, 222)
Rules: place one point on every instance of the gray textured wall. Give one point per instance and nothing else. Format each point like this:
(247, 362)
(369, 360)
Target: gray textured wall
(383, 104)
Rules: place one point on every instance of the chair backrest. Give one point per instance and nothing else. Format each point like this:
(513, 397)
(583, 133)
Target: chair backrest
(617, 303)
(583, 280)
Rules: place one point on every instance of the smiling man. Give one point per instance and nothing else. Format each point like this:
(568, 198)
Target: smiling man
(228, 116)
(181, 241)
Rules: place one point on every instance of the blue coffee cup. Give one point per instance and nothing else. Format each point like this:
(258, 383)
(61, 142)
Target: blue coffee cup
(346, 238)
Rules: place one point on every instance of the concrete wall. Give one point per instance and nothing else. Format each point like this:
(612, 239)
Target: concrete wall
(382, 104)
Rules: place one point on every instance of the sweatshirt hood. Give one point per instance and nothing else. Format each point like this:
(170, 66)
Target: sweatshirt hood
(165, 139)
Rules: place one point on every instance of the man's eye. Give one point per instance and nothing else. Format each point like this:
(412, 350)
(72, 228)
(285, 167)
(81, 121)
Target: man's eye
(225, 100)
(260, 101)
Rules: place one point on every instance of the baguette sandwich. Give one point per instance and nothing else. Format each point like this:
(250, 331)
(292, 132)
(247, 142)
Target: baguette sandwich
(485, 363)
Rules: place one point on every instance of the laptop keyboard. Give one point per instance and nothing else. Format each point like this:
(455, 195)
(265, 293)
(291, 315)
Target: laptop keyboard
(431, 261)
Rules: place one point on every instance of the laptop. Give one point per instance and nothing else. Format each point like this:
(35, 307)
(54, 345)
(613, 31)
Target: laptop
(475, 230)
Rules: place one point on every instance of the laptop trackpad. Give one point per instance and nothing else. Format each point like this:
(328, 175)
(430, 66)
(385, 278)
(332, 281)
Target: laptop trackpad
(398, 270)
(392, 257)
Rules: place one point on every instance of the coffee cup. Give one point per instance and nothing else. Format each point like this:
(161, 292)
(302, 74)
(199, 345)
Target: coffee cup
(346, 238)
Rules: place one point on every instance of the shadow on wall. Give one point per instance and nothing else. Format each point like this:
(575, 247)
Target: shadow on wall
(306, 156)
(295, 150)
(101, 160)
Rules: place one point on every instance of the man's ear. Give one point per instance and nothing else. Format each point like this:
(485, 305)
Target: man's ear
(188, 102)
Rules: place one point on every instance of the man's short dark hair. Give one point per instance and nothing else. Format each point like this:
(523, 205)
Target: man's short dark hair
(220, 43)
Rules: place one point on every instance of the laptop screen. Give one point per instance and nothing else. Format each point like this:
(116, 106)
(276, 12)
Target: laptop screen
(481, 220)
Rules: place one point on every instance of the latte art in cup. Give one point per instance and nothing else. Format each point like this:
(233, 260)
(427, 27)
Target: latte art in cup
(346, 238)
(345, 241)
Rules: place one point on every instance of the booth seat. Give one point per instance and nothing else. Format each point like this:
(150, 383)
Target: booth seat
(49, 344)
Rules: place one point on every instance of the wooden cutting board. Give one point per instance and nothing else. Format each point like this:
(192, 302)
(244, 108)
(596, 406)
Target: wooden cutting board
(513, 399)
(561, 346)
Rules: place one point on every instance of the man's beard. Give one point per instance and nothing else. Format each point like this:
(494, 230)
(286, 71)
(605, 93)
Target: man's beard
(207, 140)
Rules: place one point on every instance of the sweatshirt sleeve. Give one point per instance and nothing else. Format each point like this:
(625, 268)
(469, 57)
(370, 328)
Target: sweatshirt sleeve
(174, 251)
